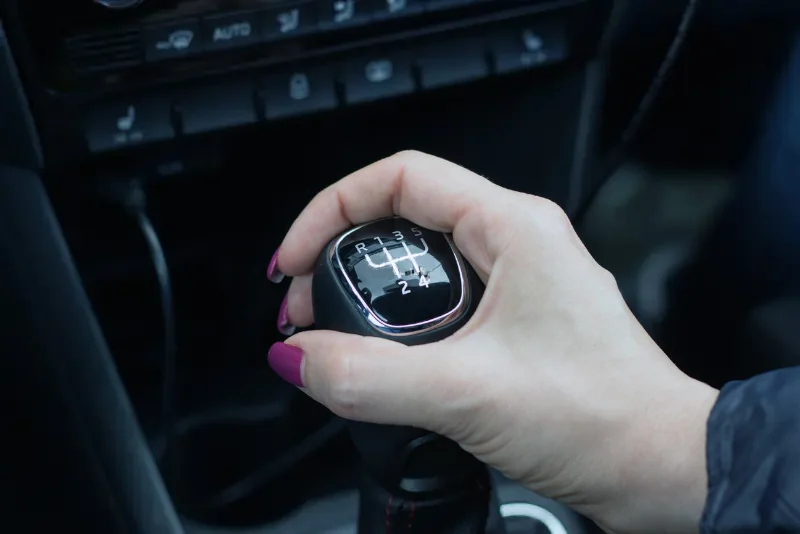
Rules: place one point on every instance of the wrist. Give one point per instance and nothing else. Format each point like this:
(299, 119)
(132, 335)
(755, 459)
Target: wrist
(662, 479)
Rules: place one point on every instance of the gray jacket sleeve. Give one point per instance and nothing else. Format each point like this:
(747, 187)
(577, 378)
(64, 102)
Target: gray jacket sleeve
(753, 452)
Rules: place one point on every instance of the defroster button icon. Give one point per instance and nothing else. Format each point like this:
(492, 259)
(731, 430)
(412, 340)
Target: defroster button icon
(172, 41)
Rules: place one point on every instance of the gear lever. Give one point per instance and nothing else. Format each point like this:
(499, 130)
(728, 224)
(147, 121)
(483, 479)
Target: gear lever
(392, 279)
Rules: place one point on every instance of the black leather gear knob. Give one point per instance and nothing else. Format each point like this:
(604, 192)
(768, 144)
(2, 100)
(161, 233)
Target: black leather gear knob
(395, 280)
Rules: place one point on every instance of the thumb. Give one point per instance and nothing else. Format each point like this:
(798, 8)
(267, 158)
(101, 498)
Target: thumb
(365, 378)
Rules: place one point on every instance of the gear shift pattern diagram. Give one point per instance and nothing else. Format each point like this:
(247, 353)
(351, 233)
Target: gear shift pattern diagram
(405, 279)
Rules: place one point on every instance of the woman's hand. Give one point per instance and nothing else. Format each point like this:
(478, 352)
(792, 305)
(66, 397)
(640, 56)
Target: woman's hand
(553, 381)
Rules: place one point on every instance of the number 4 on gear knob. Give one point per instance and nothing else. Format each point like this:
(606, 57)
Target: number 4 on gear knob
(391, 278)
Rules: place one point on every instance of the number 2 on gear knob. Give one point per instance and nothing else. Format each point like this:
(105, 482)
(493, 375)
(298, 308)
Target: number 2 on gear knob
(396, 280)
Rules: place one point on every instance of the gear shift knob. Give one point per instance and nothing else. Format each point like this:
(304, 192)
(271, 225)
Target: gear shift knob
(395, 280)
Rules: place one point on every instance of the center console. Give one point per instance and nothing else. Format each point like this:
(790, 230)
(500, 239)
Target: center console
(237, 112)
(116, 81)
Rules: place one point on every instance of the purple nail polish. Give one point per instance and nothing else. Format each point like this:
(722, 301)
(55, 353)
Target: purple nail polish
(274, 274)
(285, 326)
(287, 362)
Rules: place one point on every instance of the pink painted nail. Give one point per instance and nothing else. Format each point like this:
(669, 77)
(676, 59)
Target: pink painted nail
(285, 327)
(274, 274)
(287, 362)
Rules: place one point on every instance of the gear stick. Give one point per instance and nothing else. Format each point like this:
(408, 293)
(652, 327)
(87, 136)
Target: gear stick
(392, 279)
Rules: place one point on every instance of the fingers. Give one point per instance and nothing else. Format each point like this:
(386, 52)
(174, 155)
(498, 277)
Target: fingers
(364, 378)
(432, 192)
(299, 310)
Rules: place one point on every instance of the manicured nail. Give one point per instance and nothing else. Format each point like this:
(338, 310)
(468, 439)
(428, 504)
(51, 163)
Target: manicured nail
(285, 327)
(274, 274)
(287, 362)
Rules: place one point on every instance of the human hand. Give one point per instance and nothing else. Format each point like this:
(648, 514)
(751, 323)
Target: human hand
(552, 381)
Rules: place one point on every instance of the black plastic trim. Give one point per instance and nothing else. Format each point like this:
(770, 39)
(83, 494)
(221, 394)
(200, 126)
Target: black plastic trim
(93, 470)
(19, 140)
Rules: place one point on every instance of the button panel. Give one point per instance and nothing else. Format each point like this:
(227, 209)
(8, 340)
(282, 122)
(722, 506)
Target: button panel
(231, 30)
(366, 76)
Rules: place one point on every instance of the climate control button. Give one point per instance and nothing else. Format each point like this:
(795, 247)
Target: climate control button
(174, 40)
(230, 31)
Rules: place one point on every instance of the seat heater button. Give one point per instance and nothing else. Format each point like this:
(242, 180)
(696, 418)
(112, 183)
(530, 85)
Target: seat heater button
(524, 46)
(124, 123)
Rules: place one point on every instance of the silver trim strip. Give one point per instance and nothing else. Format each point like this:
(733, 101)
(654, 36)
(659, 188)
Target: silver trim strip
(531, 511)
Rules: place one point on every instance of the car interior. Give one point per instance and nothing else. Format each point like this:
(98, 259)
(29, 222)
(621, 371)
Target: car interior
(153, 153)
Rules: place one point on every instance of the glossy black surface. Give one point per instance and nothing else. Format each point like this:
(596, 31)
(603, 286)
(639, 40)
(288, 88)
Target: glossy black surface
(405, 275)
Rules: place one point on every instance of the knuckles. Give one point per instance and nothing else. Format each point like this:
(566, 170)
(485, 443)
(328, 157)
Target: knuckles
(410, 156)
(550, 214)
(347, 375)
(608, 277)
(342, 387)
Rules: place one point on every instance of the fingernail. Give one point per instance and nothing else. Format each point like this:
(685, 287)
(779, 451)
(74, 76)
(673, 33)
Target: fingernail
(284, 326)
(287, 362)
(274, 275)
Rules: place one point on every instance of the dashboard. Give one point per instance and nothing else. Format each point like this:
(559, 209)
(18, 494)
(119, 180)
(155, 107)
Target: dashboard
(117, 75)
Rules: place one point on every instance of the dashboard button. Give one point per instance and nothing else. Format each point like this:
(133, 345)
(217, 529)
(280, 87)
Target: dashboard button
(125, 123)
(526, 46)
(378, 76)
(340, 13)
(299, 91)
(230, 30)
(384, 9)
(452, 61)
(289, 21)
(178, 39)
(213, 107)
